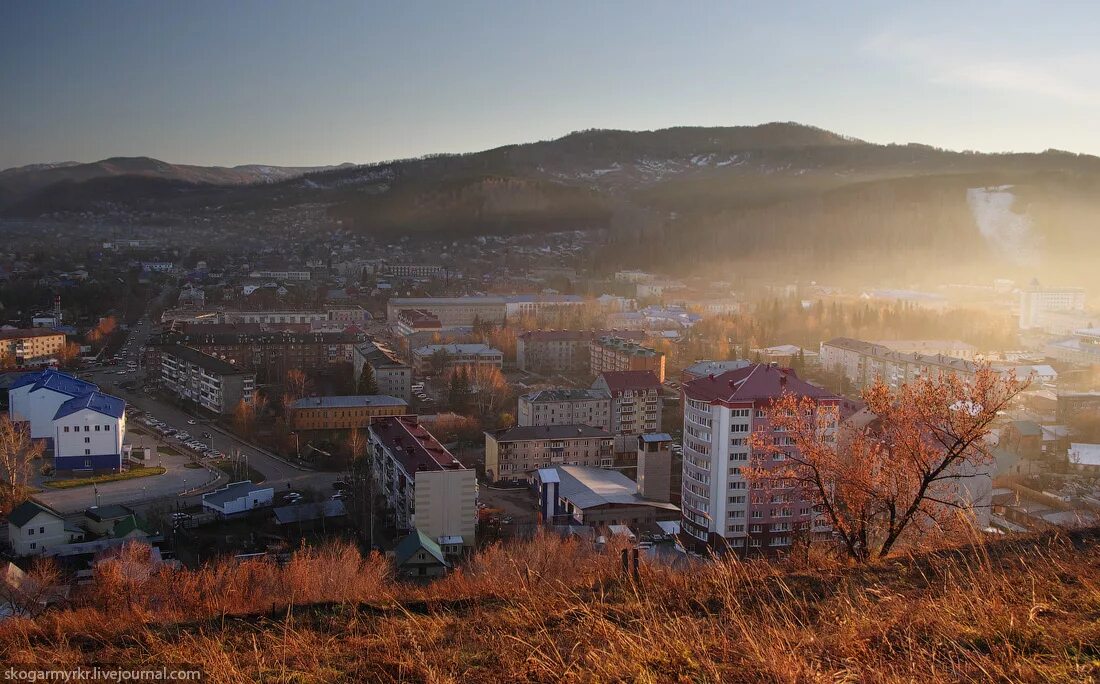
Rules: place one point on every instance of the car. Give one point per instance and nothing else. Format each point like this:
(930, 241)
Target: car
(192, 421)
(214, 453)
(206, 435)
(341, 485)
(338, 496)
(177, 517)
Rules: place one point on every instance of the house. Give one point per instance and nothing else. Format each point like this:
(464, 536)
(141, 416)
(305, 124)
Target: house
(417, 555)
(237, 498)
(101, 520)
(34, 528)
(88, 433)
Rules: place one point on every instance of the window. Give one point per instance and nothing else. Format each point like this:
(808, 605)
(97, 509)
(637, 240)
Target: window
(97, 428)
(737, 485)
(87, 463)
(87, 440)
(66, 428)
(737, 499)
(106, 428)
(87, 428)
(30, 532)
(758, 514)
(41, 530)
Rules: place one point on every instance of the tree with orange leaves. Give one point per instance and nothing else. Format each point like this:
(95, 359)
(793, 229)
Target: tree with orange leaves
(904, 471)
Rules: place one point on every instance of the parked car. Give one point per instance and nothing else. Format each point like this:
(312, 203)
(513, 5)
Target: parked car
(340, 485)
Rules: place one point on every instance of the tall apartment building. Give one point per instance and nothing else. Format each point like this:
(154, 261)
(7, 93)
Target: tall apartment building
(563, 351)
(1037, 301)
(344, 412)
(455, 355)
(512, 453)
(392, 375)
(213, 384)
(565, 407)
(453, 311)
(956, 349)
(863, 362)
(425, 487)
(28, 346)
(720, 510)
(617, 354)
(635, 409)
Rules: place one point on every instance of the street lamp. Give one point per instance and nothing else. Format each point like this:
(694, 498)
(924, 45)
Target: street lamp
(297, 446)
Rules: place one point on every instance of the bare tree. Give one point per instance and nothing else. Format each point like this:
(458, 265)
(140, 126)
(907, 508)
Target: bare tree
(27, 594)
(17, 454)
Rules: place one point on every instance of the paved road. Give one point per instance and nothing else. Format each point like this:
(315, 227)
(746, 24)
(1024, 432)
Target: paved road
(278, 473)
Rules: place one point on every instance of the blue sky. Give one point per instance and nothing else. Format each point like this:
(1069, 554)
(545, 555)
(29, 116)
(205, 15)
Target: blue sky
(323, 82)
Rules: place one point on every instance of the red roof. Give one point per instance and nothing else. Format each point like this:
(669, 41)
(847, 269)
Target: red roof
(757, 381)
(413, 445)
(635, 380)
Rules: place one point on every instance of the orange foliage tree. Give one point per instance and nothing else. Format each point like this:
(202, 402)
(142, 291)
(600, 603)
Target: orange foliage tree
(905, 471)
(17, 454)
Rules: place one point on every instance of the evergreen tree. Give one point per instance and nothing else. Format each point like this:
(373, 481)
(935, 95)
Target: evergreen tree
(367, 382)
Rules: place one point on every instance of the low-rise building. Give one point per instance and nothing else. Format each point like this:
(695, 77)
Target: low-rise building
(616, 354)
(578, 495)
(28, 346)
(344, 412)
(35, 398)
(563, 351)
(237, 498)
(512, 453)
(418, 555)
(392, 375)
(213, 384)
(35, 528)
(88, 433)
(489, 309)
(565, 406)
(425, 487)
(455, 356)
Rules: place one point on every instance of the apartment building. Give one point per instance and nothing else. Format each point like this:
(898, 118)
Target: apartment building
(411, 321)
(336, 314)
(565, 406)
(415, 270)
(512, 453)
(563, 351)
(425, 487)
(1082, 347)
(635, 409)
(864, 362)
(720, 510)
(612, 353)
(270, 354)
(703, 368)
(392, 375)
(454, 356)
(344, 412)
(213, 384)
(452, 311)
(281, 275)
(29, 346)
(1036, 302)
(956, 349)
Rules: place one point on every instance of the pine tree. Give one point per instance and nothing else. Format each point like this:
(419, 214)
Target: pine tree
(367, 382)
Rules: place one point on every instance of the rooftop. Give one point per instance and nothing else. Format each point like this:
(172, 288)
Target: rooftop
(563, 394)
(636, 381)
(27, 332)
(25, 512)
(349, 401)
(455, 349)
(758, 381)
(586, 487)
(527, 432)
(205, 361)
(579, 335)
(231, 492)
(412, 543)
(56, 381)
(93, 401)
(412, 444)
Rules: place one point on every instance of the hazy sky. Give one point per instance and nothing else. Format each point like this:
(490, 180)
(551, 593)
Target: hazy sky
(322, 82)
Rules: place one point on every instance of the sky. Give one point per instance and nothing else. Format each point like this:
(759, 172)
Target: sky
(330, 81)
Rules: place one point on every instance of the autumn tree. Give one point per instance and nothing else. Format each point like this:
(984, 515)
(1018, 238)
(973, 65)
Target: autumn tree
(297, 383)
(17, 454)
(247, 413)
(26, 594)
(69, 354)
(911, 468)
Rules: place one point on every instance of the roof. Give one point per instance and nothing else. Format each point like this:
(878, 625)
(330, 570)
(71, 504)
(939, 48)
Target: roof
(562, 394)
(1084, 454)
(203, 360)
(101, 513)
(231, 492)
(656, 437)
(579, 335)
(455, 349)
(412, 543)
(1027, 428)
(379, 355)
(349, 401)
(635, 380)
(586, 487)
(412, 445)
(330, 508)
(700, 368)
(28, 332)
(93, 401)
(126, 526)
(758, 381)
(56, 381)
(521, 433)
(622, 346)
(25, 512)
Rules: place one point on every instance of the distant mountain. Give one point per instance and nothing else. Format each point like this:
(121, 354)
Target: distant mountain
(698, 197)
(22, 180)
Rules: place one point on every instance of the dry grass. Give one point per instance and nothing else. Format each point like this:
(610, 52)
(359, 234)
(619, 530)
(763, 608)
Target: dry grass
(1025, 609)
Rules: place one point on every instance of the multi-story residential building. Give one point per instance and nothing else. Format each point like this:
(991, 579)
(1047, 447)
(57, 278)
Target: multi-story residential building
(411, 321)
(563, 351)
(612, 353)
(332, 313)
(956, 349)
(88, 433)
(1083, 348)
(392, 375)
(565, 406)
(490, 309)
(270, 354)
(701, 369)
(720, 509)
(416, 270)
(344, 413)
(1073, 404)
(36, 397)
(512, 453)
(1037, 301)
(635, 409)
(425, 487)
(454, 356)
(28, 346)
(213, 384)
(864, 362)
(281, 275)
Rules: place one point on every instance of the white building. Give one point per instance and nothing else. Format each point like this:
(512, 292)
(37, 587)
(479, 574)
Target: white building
(36, 397)
(1037, 301)
(88, 433)
(34, 528)
(237, 498)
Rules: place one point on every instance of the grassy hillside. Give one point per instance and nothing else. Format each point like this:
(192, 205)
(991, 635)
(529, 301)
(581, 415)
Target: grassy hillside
(1021, 610)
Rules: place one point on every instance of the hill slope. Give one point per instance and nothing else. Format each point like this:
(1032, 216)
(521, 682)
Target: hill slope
(1021, 610)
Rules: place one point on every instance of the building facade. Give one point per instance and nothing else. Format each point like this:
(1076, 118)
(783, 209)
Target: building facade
(455, 356)
(513, 453)
(635, 404)
(88, 433)
(612, 353)
(211, 383)
(36, 397)
(31, 346)
(1037, 301)
(563, 351)
(565, 407)
(425, 487)
(864, 362)
(721, 511)
(392, 375)
(344, 413)
(453, 311)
